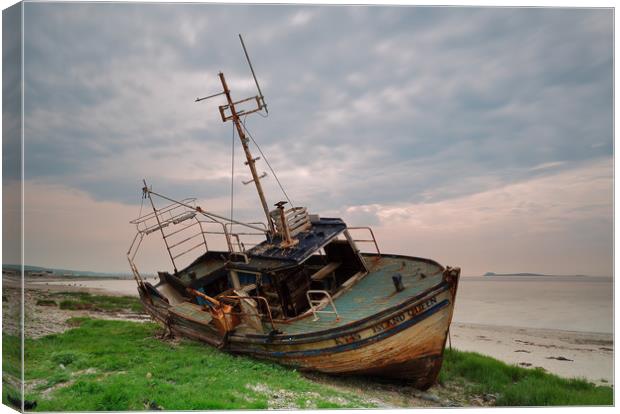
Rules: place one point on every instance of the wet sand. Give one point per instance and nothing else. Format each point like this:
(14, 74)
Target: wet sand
(563, 324)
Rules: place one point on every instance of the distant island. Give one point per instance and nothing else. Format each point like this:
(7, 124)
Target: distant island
(522, 274)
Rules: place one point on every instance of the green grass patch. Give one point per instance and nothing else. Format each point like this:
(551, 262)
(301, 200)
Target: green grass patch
(87, 301)
(11, 369)
(120, 365)
(11, 355)
(516, 386)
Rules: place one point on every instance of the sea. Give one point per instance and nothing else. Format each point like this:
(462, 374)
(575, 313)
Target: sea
(571, 303)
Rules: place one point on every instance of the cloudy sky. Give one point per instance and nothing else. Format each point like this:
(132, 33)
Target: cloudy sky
(479, 137)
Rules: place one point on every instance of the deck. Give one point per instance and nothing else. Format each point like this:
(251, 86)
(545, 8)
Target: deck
(374, 293)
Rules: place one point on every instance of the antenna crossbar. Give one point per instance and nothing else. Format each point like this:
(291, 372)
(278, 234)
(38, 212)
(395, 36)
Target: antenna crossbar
(224, 108)
(209, 97)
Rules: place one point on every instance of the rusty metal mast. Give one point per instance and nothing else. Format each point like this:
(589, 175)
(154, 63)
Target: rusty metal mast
(251, 161)
(235, 117)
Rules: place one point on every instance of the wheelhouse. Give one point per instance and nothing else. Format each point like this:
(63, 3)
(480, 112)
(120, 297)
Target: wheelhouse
(309, 261)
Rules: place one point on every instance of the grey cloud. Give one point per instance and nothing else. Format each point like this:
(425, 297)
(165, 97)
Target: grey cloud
(11, 94)
(417, 102)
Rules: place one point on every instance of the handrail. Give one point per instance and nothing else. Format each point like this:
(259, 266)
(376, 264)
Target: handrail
(236, 235)
(186, 240)
(171, 221)
(314, 304)
(374, 240)
(188, 250)
(183, 228)
(162, 210)
(208, 214)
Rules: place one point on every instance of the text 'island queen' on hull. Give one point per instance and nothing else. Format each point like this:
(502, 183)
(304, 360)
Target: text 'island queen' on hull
(303, 295)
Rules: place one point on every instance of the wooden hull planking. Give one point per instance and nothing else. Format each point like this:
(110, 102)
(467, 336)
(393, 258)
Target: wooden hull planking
(406, 343)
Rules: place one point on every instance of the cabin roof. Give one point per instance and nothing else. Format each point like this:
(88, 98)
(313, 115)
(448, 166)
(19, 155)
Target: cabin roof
(268, 255)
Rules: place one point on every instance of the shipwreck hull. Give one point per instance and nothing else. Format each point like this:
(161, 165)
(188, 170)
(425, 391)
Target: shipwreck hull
(406, 341)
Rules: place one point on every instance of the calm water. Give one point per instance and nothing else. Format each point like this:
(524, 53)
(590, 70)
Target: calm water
(574, 303)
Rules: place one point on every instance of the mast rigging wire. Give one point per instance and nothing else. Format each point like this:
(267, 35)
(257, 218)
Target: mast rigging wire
(267, 161)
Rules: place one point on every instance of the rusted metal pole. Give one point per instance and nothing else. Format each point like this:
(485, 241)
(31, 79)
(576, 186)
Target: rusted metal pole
(250, 160)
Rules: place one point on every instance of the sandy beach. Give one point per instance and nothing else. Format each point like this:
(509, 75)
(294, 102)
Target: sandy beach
(563, 324)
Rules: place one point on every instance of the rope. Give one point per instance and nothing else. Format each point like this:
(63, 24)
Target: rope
(267, 161)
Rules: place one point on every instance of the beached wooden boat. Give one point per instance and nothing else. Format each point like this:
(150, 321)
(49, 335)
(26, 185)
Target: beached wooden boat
(304, 295)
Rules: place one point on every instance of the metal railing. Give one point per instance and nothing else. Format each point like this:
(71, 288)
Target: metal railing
(373, 240)
(315, 304)
(185, 228)
(243, 238)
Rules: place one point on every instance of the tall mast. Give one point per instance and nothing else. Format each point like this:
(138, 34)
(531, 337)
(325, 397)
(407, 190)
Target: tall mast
(235, 117)
(251, 161)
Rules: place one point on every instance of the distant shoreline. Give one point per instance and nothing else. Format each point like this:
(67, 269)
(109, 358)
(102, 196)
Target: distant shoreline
(41, 271)
(491, 274)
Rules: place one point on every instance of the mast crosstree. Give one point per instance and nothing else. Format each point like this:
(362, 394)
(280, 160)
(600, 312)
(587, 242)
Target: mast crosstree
(234, 116)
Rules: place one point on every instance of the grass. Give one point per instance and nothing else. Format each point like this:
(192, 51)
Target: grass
(11, 355)
(87, 301)
(119, 365)
(11, 367)
(516, 386)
